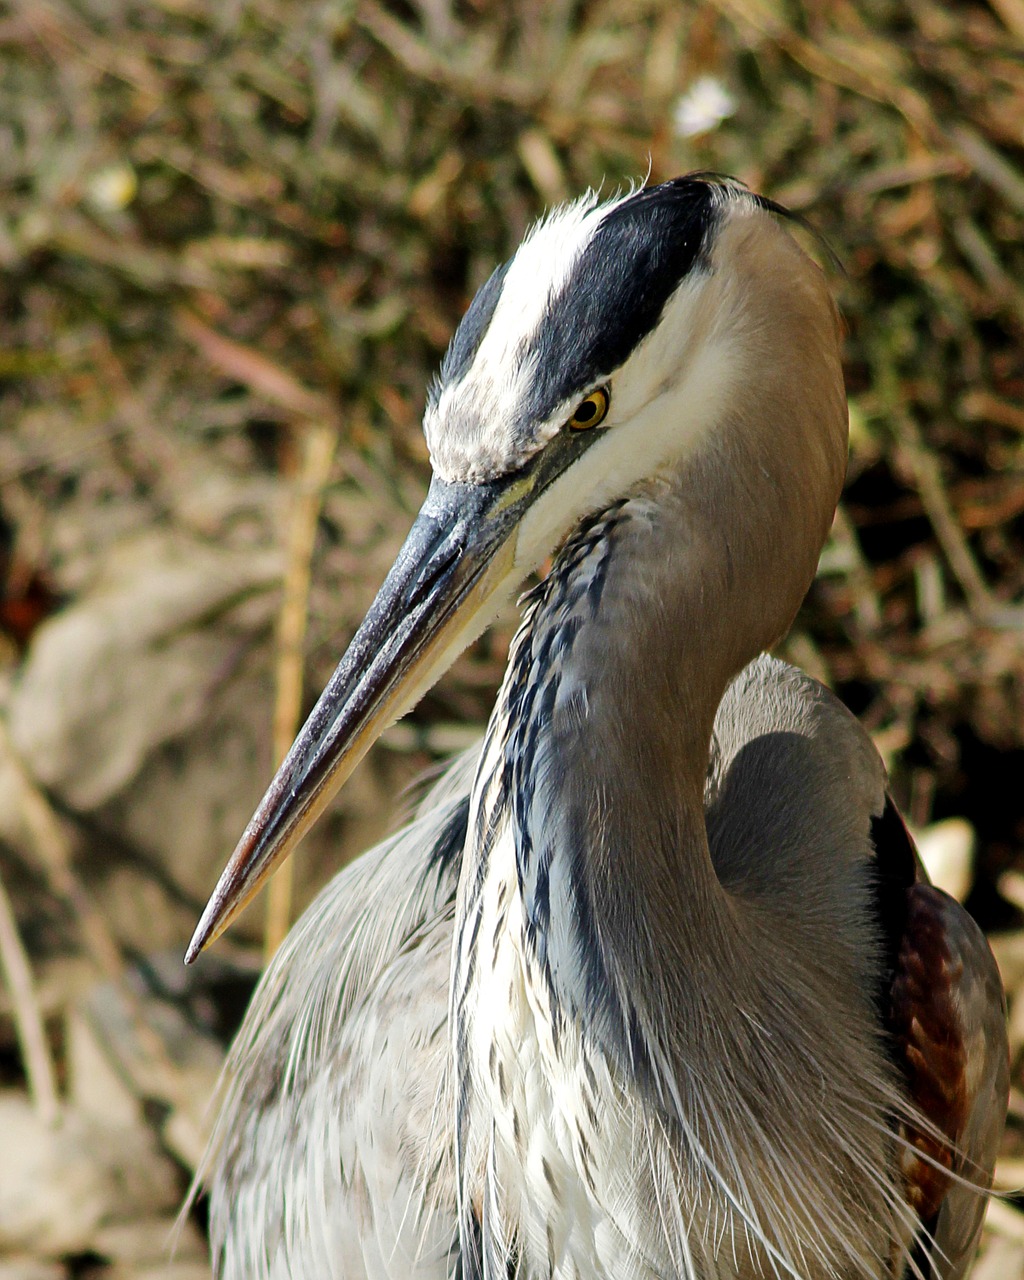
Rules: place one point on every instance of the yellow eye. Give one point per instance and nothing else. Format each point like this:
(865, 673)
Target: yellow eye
(591, 411)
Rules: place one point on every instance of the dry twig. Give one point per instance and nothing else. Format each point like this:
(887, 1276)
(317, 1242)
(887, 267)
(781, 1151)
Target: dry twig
(317, 447)
(38, 1062)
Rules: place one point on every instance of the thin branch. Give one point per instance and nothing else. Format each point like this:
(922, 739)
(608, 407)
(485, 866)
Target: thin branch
(54, 854)
(28, 1018)
(925, 469)
(318, 444)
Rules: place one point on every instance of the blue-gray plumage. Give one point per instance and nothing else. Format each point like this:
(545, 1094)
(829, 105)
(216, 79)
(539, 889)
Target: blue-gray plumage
(653, 985)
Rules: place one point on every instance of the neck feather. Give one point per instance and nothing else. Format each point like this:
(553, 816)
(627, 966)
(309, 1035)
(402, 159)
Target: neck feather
(651, 609)
(705, 997)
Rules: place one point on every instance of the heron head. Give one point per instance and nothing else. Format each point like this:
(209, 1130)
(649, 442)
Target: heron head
(601, 354)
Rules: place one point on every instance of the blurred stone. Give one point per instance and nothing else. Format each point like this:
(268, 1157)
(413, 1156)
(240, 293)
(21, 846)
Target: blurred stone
(186, 1130)
(158, 1241)
(189, 802)
(1009, 1173)
(132, 663)
(1011, 887)
(999, 1259)
(153, 1046)
(141, 912)
(947, 851)
(94, 1087)
(1015, 1022)
(1008, 949)
(25, 1268)
(59, 1185)
(59, 980)
(164, 1271)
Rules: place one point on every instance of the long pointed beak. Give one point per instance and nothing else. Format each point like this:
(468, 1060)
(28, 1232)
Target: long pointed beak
(451, 576)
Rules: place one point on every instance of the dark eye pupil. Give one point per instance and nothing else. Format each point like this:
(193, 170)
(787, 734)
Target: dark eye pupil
(586, 411)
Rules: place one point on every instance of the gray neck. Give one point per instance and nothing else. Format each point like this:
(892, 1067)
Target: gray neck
(716, 1004)
(649, 612)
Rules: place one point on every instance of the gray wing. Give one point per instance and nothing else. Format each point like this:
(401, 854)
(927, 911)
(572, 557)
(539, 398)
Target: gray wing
(947, 1018)
(939, 999)
(331, 1154)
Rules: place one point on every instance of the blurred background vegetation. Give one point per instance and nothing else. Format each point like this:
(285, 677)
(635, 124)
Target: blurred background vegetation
(234, 241)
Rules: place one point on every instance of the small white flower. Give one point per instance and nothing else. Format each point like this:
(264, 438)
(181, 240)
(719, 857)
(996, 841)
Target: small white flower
(703, 107)
(113, 187)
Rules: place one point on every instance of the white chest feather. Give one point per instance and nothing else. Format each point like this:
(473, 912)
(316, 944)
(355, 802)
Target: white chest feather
(573, 1174)
(601, 1136)
(559, 1162)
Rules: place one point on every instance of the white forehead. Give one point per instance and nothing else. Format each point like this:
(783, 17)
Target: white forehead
(540, 268)
(494, 384)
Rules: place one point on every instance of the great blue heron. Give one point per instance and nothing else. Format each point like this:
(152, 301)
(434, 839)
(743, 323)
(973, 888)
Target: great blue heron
(653, 985)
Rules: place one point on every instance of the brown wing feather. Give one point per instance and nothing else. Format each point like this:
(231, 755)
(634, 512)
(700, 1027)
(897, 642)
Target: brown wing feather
(946, 1015)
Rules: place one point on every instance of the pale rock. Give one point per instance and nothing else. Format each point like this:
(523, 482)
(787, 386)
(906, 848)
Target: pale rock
(165, 1271)
(60, 1184)
(947, 851)
(132, 663)
(95, 1088)
(158, 1241)
(27, 1268)
(999, 1259)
